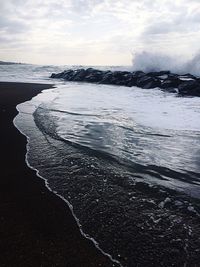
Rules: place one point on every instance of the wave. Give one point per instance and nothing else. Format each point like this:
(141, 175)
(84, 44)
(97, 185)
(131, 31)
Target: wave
(69, 112)
(146, 172)
(116, 204)
(18, 123)
(151, 61)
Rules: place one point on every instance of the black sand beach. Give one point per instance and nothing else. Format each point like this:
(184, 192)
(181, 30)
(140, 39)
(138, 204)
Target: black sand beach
(36, 227)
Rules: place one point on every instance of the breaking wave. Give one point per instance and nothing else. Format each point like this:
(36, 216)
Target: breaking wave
(151, 61)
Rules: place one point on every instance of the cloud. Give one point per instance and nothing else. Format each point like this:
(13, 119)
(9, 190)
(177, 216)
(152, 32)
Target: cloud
(12, 26)
(104, 31)
(173, 28)
(182, 22)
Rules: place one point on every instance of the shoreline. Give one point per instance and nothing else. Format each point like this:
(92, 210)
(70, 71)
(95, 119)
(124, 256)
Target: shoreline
(36, 227)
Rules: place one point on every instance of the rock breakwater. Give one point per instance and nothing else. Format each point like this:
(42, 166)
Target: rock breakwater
(186, 84)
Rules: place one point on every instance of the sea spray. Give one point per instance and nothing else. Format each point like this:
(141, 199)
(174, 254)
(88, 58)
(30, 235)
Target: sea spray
(155, 61)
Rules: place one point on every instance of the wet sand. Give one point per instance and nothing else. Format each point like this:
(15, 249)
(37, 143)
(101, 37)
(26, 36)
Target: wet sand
(36, 227)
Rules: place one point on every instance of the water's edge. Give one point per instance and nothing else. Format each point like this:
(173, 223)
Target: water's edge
(60, 196)
(117, 211)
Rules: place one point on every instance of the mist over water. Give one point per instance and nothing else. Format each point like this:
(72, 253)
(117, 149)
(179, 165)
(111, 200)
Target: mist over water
(156, 61)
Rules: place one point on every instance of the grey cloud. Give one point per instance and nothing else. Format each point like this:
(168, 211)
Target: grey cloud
(12, 25)
(10, 41)
(159, 28)
(194, 17)
(85, 6)
(4, 39)
(45, 22)
(181, 23)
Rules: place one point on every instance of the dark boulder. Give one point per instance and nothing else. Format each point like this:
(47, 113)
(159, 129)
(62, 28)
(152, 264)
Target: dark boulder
(131, 80)
(121, 78)
(158, 73)
(148, 82)
(91, 78)
(185, 84)
(138, 74)
(170, 90)
(91, 70)
(120, 74)
(94, 77)
(107, 78)
(171, 83)
(188, 76)
(57, 75)
(152, 84)
(68, 75)
(79, 75)
(191, 88)
(53, 75)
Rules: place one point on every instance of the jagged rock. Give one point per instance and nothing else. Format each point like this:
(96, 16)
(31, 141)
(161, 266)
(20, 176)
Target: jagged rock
(107, 77)
(57, 75)
(93, 75)
(191, 88)
(147, 82)
(80, 75)
(171, 83)
(170, 90)
(93, 78)
(68, 75)
(159, 73)
(131, 80)
(188, 75)
(186, 84)
(138, 74)
(152, 84)
(121, 78)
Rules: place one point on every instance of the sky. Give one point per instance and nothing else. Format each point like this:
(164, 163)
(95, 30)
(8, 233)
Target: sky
(97, 32)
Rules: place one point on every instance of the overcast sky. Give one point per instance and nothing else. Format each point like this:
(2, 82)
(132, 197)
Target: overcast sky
(96, 32)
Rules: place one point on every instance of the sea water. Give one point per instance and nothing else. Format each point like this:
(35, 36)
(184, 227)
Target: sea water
(93, 142)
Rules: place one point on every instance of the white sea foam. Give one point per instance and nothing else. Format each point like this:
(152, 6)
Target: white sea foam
(155, 61)
(27, 109)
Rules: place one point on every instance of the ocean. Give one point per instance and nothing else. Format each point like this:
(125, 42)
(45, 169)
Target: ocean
(111, 152)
